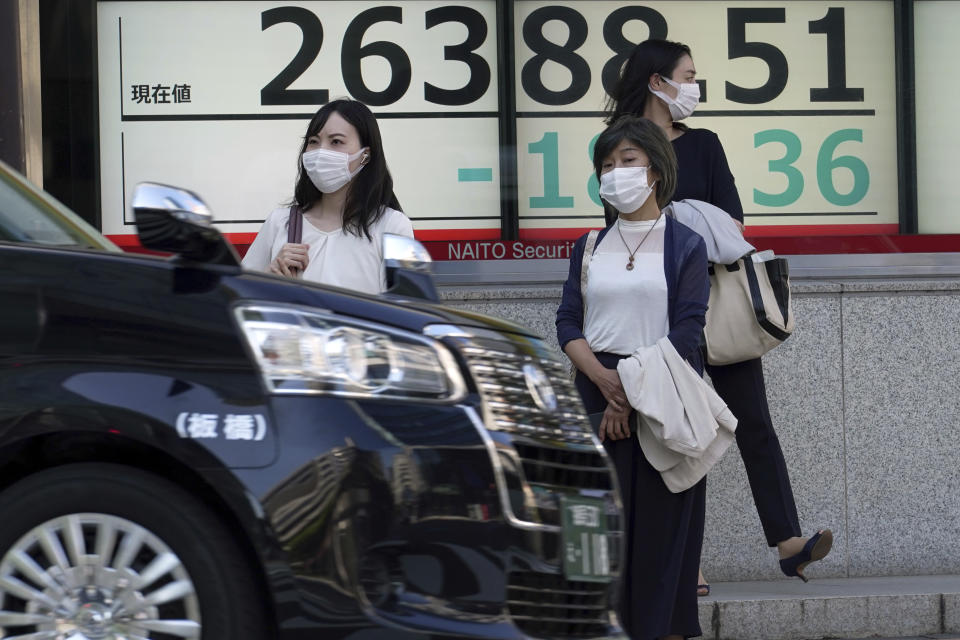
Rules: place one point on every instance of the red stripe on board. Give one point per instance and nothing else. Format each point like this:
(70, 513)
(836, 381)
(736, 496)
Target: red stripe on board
(242, 241)
(124, 240)
(131, 239)
(772, 230)
(241, 238)
(430, 235)
(838, 245)
(131, 243)
(498, 249)
(804, 240)
(753, 231)
(554, 234)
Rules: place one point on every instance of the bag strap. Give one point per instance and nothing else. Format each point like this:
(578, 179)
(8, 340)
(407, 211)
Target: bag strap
(295, 225)
(757, 298)
(585, 267)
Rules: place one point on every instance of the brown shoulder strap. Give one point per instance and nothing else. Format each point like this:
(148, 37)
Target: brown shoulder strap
(295, 225)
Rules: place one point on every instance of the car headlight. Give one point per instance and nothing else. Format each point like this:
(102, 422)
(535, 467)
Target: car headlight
(300, 351)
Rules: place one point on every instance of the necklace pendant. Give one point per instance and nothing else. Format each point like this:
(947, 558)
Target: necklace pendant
(630, 265)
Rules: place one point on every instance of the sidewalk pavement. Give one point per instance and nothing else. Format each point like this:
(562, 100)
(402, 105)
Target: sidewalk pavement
(849, 608)
(936, 636)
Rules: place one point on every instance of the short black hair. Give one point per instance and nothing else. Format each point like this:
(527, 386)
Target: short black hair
(372, 189)
(650, 137)
(631, 92)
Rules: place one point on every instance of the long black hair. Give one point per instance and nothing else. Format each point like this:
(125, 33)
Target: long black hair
(650, 137)
(630, 94)
(370, 190)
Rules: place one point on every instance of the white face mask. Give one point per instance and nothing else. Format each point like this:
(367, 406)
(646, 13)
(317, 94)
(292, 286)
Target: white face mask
(329, 170)
(626, 189)
(688, 97)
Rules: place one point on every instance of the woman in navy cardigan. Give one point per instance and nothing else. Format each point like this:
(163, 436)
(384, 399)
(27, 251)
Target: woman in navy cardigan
(646, 278)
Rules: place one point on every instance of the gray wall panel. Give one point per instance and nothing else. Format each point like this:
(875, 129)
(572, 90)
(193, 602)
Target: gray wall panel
(865, 398)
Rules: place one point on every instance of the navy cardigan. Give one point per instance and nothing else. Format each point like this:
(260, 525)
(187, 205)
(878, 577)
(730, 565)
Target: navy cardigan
(688, 289)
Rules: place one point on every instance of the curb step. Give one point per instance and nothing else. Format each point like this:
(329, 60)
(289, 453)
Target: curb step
(847, 608)
(935, 636)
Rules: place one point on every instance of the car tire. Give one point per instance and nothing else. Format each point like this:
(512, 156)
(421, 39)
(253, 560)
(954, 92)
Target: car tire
(105, 549)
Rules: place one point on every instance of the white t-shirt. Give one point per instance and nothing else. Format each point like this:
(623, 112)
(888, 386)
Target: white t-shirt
(627, 309)
(335, 257)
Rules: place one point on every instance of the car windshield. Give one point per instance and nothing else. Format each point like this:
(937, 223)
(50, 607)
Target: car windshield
(28, 215)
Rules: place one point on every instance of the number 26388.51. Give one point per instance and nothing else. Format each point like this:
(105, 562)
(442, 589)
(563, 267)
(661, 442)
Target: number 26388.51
(544, 50)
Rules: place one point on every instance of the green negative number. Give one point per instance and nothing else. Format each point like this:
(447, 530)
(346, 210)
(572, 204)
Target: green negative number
(551, 198)
(827, 163)
(593, 185)
(784, 165)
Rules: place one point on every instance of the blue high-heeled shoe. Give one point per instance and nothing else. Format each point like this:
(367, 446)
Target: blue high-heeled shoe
(816, 548)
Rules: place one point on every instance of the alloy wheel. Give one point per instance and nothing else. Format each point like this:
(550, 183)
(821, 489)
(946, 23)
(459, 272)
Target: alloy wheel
(94, 576)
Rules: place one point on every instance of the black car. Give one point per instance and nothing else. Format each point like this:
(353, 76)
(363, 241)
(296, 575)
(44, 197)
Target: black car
(191, 450)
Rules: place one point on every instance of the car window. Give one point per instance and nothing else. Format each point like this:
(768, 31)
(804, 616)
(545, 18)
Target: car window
(29, 215)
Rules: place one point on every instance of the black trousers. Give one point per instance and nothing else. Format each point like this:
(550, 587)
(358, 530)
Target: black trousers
(663, 535)
(741, 386)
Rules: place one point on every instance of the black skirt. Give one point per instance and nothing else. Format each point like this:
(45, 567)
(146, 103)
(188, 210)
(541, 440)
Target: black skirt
(663, 536)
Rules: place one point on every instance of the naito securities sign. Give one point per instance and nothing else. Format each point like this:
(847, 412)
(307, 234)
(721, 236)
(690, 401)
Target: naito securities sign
(500, 249)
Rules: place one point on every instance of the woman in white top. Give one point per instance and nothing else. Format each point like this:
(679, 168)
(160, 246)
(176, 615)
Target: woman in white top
(344, 193)
(646, 279)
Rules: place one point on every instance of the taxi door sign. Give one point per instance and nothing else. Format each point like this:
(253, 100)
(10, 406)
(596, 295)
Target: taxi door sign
(586, 551)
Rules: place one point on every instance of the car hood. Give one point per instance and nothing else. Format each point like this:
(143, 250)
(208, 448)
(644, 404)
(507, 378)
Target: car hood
(412, 314)
(232, 284)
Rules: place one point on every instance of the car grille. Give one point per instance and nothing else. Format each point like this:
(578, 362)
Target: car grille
(554, 451)
(549, 606)
(551, 453)
(498, 373)
(551, 471)
(554, 467)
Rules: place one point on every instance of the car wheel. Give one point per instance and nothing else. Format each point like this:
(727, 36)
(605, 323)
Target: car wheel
(93, 551)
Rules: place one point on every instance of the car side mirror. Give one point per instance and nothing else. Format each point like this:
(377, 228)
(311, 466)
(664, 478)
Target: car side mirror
(408, 267)
(178, 221)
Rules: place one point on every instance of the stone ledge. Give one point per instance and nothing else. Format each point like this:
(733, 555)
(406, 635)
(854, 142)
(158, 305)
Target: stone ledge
(550, 291)
(889, 607)
(926, 636)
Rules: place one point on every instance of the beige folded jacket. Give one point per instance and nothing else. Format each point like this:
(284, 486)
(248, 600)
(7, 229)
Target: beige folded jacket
(685, 426)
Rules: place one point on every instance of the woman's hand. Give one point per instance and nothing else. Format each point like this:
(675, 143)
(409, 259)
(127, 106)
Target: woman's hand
(615, 424)
(608, 381)
(291, 260)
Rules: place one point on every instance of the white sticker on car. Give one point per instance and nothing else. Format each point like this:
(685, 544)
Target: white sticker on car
(233, 426)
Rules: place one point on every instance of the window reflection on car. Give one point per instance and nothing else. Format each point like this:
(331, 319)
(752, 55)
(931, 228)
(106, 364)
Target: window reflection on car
(30, 216)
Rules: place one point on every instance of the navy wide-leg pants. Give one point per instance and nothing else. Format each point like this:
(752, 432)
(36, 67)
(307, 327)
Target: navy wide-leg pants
(663, 534)
(741, 386)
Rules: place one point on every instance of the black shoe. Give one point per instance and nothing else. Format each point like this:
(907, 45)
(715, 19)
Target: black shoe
(816, 548)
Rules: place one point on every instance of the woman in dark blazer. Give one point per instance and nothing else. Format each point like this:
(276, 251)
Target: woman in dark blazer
(658, 82)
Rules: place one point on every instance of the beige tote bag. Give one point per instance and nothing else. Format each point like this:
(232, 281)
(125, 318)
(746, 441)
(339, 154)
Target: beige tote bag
(749, 311)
